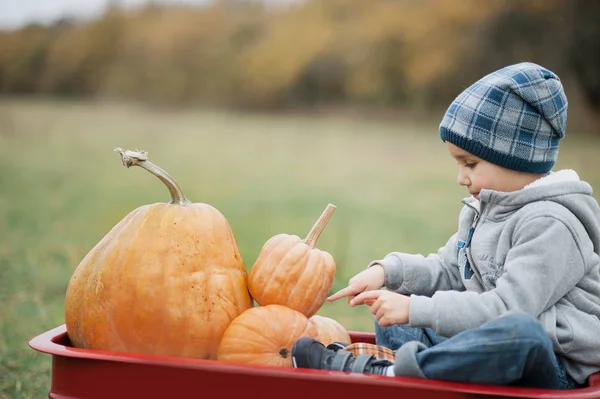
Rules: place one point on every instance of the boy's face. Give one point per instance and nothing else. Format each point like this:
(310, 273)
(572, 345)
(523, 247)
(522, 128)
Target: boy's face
(476, 174)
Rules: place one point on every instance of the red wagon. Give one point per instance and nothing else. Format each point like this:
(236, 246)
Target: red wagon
(90, 374)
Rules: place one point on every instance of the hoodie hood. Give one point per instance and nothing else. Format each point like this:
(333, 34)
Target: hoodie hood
(563, 187)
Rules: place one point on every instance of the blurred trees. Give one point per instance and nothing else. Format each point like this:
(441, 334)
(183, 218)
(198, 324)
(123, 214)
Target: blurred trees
(320, 52)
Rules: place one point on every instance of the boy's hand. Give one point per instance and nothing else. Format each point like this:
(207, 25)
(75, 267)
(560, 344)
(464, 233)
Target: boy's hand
(388, 307)
(369, 279)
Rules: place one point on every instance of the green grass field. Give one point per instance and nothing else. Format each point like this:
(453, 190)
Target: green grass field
(62, 188)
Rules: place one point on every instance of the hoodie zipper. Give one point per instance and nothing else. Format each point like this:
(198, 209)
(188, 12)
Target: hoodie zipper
(471, 233)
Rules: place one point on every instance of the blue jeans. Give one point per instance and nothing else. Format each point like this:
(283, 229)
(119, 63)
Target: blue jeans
(510, 350)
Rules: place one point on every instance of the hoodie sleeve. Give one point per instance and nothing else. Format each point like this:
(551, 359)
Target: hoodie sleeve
(543, 265)
(416, 274)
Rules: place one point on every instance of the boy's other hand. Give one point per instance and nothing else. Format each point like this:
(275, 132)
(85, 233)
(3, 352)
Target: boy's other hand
(372, 278)
(387, 306)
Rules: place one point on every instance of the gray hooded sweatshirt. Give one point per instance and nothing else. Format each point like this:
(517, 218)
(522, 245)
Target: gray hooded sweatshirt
(535, 250)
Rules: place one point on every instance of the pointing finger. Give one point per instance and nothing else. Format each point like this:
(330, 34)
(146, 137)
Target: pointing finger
(344, 292)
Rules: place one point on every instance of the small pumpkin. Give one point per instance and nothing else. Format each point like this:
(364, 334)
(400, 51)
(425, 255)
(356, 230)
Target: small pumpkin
(264, 335)
(291, 272)
(168, 279)
(329, 330)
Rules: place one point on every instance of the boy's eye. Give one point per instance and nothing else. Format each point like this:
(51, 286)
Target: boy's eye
(470, 164)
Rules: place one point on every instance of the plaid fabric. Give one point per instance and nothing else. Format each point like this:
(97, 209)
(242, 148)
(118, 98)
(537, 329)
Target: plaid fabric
(513, 117)
(379, 352)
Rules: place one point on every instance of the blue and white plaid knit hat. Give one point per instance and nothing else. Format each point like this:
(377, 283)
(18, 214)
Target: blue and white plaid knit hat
(513, 117)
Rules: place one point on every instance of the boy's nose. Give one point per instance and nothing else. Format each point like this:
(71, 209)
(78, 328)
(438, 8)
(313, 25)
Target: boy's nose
(462, 179)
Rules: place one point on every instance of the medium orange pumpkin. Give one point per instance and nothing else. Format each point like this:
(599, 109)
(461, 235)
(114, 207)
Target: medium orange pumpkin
(329, 330)
(168, 279)
(291, 272)
(264, 335)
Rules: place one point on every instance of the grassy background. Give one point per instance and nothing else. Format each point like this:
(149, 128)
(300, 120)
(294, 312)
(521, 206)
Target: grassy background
(62, 188)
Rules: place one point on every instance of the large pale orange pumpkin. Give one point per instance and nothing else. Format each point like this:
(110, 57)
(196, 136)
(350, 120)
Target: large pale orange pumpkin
(264, 335)
(291, 272)
(168, 279)
(329, 330)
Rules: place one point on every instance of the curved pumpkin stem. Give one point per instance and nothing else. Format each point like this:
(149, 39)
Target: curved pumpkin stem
(313, 235)
(140, 158)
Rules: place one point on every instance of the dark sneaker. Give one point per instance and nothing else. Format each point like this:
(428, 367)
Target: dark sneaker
(309, 353)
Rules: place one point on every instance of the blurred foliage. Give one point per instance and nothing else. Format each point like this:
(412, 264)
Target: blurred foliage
(243, 54)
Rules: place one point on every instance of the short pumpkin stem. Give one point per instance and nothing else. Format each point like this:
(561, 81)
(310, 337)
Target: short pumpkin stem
(284, 352)
(140, 158)
(313, 235)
